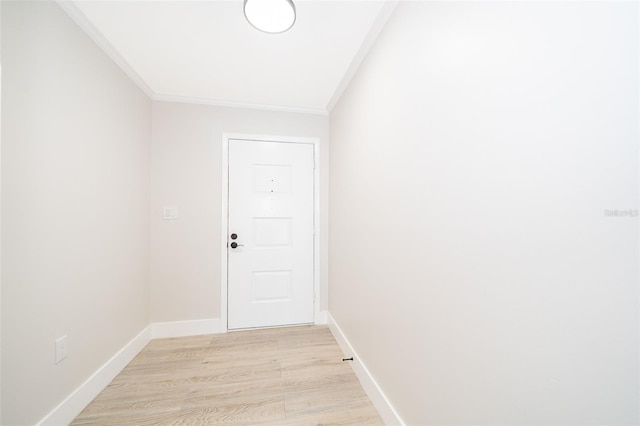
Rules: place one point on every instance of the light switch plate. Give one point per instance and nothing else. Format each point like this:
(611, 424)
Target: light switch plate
(170, 213)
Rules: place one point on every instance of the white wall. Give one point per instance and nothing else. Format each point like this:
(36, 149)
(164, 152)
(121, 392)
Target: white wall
(0, 212)
(75, 204)
(186, 172)
(472, 265)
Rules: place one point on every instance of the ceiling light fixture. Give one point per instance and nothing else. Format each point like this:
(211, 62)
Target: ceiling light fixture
(270, 16)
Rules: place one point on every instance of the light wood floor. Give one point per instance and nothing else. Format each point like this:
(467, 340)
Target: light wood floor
(283, 376)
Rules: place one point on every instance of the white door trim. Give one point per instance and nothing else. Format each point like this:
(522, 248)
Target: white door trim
(225, 216)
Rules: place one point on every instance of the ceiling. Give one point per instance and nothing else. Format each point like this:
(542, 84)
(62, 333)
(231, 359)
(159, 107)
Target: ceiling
(206, 52)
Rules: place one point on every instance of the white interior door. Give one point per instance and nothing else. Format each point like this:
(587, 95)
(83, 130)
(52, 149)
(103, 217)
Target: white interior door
(270, 234)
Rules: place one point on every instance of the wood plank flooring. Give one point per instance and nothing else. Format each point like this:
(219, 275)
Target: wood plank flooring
(279, 376)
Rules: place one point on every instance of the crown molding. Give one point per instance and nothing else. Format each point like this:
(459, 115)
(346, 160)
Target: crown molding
(74, 12)
(385, 13)
(234, 104)
(81, 20)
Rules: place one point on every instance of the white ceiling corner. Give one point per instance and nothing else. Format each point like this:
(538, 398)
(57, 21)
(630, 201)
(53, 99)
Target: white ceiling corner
(205, 52)
(81, 20)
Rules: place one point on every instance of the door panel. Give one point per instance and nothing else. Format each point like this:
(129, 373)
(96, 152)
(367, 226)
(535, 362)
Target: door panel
(270, 271)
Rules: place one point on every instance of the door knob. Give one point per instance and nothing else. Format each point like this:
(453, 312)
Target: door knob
(234, 245)
(234, 236)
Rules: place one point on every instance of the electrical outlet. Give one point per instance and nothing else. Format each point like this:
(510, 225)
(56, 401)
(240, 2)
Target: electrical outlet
(62, 348)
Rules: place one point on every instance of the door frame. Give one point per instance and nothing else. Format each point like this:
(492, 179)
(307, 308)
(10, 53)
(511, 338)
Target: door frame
(224, 223)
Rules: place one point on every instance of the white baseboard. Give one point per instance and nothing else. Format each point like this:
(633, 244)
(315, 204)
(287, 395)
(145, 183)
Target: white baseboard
(389, 415)
(321, 318)
(185, 328)
(73, 405)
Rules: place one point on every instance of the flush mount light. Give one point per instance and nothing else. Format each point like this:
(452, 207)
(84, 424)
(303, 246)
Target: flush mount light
(270, 16)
